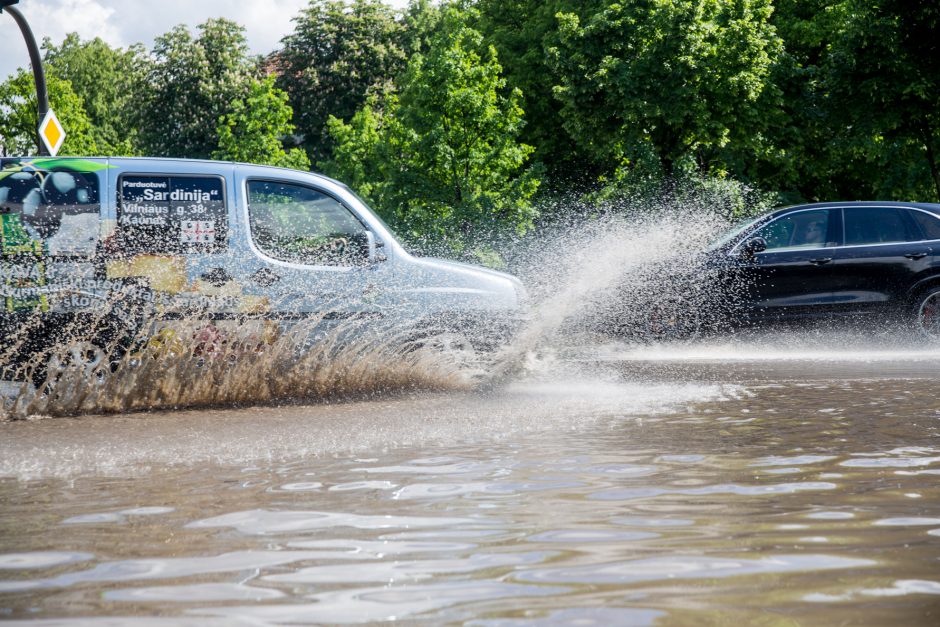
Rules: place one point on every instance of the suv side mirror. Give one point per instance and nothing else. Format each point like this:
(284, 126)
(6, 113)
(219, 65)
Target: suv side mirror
(753, 246)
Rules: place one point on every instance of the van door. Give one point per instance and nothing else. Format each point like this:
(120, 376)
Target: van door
(51, 213)
(306, 252)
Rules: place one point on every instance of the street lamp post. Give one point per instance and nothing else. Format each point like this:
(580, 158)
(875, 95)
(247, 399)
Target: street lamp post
(42, 98)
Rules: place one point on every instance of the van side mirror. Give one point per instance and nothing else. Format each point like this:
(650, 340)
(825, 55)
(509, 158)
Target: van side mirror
(374, 245)
(753, 246)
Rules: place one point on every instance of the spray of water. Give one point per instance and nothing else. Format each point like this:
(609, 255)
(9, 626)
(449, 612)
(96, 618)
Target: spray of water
(627, 275)
(197, 362)
(597, 274)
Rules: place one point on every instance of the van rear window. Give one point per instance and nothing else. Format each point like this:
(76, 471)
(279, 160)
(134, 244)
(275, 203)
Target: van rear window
(46, 212)
(171, 214)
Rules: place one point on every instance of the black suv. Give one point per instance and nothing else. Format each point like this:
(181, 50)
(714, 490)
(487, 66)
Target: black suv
(833, 259)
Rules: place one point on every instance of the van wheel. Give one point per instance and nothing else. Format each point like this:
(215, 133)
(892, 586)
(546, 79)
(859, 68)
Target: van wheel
(926, 312)
(455, 344)
(83, 358)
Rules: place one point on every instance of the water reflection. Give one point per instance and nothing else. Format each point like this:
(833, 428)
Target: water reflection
(725, 498)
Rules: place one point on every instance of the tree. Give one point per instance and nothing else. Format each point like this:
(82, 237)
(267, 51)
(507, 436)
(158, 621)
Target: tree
(420, 21)
(255, 129)
(665, 85)
(443, 158)
(339, 52)
(860, 99)
(191, 83)
(109, 82)
(521, 31)
(19, 121)
(882, 77)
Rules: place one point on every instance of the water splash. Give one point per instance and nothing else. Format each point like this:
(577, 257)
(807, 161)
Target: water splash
(616, 273)
(599, 273)
(194, 362)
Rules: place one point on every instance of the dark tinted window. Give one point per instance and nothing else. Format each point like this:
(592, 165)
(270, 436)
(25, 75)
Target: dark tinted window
(171, 214)
(875, 225)
(302, 225)
(928, 223)
(804, 229)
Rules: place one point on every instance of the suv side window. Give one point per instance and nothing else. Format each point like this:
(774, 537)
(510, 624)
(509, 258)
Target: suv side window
(300, 224)
(875, 225)
(928, 223)
(803, 229)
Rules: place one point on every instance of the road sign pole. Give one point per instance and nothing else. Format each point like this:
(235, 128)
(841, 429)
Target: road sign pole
(42, 98)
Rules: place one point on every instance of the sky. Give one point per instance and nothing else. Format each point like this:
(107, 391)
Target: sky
(125, 22)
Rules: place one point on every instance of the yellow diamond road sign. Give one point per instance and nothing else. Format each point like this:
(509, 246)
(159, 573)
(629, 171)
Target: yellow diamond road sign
(51, 132)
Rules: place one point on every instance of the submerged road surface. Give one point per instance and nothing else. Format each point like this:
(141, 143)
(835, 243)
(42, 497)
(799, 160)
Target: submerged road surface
(688, 484)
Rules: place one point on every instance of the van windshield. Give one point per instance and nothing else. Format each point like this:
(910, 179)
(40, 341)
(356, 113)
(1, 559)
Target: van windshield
(373, 211)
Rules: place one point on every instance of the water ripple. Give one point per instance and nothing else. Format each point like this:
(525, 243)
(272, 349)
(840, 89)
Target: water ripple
(194, 593)
(591, 535)
(907, 522)
(261, 521)
(775, 460)
(406, 570)
(580, 617)
(381, 603)
(727, 488)
(41, 559)
(165, 568)
(687, 567)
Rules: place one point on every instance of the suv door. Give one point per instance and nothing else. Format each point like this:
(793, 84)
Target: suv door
(793, 276)
(883, 254)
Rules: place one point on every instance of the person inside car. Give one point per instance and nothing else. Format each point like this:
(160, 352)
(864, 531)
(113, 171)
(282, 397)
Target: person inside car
(812, 233)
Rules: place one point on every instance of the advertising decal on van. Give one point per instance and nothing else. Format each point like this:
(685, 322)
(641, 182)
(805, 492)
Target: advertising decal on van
(49, 208)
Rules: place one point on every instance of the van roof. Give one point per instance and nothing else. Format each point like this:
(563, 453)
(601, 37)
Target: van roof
(175, 159)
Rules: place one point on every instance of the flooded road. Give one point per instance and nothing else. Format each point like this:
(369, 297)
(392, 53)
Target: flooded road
(686, 484)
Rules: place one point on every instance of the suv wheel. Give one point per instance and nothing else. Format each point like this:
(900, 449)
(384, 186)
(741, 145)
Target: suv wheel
(927, 313)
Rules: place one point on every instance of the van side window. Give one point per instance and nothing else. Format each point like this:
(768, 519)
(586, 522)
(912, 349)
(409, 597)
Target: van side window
(45, 212)
(170, 214)
(299, 224)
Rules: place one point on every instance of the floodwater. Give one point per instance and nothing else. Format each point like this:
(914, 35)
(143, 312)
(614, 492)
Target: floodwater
(737, 480)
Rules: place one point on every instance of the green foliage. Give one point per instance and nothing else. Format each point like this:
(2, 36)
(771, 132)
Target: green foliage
(420, 21)
(256, 127)
(443, 158)
(108, 80)
(665, 84)
(191, 83)
(521, 30)
(882, 80)
(339, 52)
(19, 121)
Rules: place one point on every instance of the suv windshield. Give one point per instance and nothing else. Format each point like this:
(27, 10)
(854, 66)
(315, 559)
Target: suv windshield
(733, 232)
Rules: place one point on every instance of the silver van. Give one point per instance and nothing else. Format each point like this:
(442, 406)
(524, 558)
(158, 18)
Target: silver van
(215, 240)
